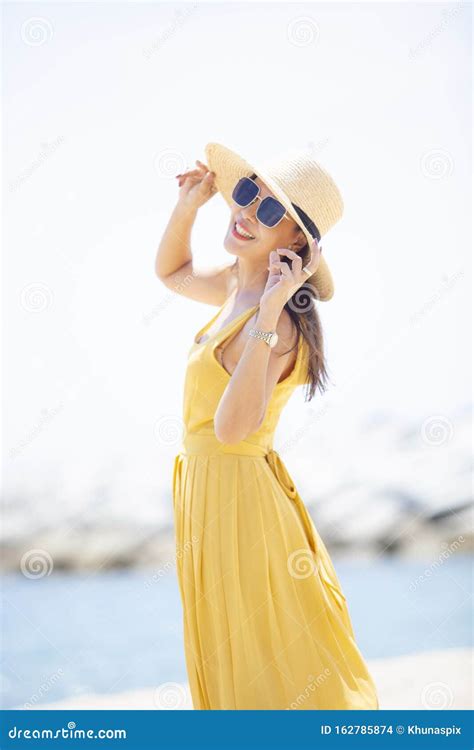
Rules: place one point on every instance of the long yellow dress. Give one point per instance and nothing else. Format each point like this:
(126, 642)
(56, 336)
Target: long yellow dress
(266, 625)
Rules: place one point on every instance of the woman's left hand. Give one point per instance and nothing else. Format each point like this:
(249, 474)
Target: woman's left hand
(284, 281)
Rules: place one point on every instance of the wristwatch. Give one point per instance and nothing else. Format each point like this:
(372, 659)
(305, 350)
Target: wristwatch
(270, 337)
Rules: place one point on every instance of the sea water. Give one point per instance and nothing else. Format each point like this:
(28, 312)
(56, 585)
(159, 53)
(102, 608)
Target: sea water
(67, 634)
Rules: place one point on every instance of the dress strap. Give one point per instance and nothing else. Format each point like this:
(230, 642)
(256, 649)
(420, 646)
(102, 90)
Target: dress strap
(225, 328)
(228, 329)
(202, 331)
(297, 373)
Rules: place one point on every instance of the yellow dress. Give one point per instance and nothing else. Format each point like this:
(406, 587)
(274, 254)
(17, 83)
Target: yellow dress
(266, 625)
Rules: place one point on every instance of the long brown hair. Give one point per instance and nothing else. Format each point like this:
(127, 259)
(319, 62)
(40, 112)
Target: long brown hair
(305, 316)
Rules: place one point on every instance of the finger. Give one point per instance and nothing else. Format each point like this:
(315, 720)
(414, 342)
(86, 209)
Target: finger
(297, 263)
(207, 182)
(279, 267)
(201, 169)
(287, 272)
(288, 252)
(201, 165)
(315, 255)
(315, 248)
(196, 171)
(273, 262)
(208, 179)
(190, 179)
(191, 173)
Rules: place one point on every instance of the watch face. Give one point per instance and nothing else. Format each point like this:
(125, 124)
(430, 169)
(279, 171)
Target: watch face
(273, 340)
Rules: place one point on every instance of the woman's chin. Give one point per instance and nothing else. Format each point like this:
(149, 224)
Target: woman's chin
(236, 247)
(232, 246)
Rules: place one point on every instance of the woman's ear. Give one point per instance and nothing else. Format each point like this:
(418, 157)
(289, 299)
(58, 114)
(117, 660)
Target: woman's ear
(299, 241)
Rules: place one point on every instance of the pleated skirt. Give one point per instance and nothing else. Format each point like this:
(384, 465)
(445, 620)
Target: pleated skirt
(266, 624)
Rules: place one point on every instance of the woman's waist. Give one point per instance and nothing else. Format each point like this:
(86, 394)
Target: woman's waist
(207, 444)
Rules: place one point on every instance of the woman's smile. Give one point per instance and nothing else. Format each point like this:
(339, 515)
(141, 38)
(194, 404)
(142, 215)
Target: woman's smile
(241, 233)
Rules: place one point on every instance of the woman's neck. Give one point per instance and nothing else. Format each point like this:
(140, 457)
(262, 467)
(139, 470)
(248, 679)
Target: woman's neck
(251, 280)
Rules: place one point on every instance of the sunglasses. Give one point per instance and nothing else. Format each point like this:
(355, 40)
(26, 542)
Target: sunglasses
(270, 211)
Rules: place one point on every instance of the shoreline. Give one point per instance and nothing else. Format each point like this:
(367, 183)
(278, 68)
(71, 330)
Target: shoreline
(431, 680)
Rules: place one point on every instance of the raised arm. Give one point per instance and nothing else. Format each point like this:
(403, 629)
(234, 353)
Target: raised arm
(174, 261)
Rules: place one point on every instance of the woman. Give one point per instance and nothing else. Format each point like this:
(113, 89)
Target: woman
(266, 625)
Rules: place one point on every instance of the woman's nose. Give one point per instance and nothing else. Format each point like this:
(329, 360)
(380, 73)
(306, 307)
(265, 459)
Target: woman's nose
(248, 212)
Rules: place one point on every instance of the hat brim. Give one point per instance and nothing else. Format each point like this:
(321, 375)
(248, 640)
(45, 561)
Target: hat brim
(229, 167)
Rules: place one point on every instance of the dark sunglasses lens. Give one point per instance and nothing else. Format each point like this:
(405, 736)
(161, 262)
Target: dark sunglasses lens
(245, 192)
(270, 212)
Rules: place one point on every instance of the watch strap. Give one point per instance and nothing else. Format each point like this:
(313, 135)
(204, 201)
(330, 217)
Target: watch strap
(263, 335)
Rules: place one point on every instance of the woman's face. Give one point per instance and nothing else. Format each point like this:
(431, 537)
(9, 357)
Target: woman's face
(265, 239)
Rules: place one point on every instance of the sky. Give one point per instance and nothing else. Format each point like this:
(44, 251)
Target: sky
(104, 103)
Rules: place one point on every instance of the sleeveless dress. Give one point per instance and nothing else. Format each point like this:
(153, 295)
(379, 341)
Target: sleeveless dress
(266, 625)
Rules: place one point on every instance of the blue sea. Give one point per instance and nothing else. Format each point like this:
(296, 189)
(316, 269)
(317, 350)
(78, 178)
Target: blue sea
(109, 632)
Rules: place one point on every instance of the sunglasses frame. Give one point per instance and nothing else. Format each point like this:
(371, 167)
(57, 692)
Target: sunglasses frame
(285, 215)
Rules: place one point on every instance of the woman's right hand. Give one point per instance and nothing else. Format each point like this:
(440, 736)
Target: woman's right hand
(196, 186)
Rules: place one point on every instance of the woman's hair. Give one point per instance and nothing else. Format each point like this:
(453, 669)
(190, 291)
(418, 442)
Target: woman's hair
(303, 312)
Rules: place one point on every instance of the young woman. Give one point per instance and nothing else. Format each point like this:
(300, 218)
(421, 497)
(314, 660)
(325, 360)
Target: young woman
(266, 625)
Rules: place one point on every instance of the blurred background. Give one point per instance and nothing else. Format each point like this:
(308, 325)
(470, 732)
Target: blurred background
(103, 104)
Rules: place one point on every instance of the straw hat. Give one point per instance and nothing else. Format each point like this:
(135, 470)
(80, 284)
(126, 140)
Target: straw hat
(307, 191)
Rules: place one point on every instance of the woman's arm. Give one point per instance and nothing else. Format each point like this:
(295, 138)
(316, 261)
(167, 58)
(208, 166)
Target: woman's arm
(174, 250)
(174, 261)
(243, 404)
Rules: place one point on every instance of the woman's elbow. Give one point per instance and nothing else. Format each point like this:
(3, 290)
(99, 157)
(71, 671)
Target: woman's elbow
(229, 434)
(226, 433)
(228, 437)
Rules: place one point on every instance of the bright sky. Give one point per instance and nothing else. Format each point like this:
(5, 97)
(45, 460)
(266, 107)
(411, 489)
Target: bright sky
(104, 103)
